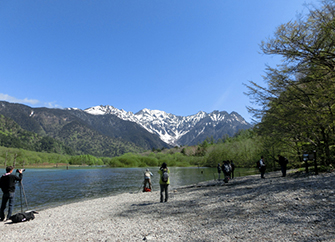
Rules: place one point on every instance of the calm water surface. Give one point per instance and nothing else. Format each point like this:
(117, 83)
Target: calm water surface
(44, 188)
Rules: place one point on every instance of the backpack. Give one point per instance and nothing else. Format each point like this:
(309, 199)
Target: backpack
(226, 168)
(165, 176)
(147, 189)
(258, 164)
(22, 217)
(286, 161)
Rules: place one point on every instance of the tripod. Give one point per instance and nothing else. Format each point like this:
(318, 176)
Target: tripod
(22, 193)
(141, 186)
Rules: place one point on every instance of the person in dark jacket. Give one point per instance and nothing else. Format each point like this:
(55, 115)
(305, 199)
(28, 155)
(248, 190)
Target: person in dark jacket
(283, 164)
(226, 168)
(219, 170)
(232, 169)
(7, 184)
(262, 166)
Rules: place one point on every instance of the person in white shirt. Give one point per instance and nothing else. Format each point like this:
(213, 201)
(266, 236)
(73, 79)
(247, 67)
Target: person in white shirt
(147, 179)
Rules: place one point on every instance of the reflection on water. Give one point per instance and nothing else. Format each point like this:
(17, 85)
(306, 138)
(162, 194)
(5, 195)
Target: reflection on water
(52, 187)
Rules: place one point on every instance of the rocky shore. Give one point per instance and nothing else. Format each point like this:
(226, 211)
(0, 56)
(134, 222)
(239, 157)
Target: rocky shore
(298, 207)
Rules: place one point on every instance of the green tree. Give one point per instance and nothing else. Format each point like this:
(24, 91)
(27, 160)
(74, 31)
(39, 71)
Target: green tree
(297, 106)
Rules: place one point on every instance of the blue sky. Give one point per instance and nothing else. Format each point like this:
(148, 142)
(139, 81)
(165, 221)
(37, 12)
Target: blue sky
(178, 56)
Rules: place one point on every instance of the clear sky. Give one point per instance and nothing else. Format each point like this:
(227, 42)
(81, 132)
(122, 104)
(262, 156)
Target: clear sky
(178, 56)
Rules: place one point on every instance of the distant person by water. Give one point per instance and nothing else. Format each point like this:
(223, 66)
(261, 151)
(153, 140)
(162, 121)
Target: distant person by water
(219, 170)
(147, 180)
(164, 182)
(226, 168)
(262, 166)
(232, 169)
(283, 164)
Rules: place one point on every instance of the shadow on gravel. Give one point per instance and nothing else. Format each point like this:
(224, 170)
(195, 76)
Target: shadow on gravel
(142, 204)
(291, 203)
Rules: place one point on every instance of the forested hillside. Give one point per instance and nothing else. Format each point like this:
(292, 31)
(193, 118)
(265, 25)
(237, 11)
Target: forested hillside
(88, 141)
(66, 128)
(12, 135)
(73, 139)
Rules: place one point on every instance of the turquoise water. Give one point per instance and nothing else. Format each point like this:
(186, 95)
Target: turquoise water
(44, 188)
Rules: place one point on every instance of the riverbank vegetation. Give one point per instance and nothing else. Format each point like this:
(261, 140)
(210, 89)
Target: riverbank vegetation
(244, 149)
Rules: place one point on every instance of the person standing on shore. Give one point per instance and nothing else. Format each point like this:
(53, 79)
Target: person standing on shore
(283, 163)
(226, 168)
(147, 180)
(262, 166)
(7, 184)
(219, 170)
(164, 182)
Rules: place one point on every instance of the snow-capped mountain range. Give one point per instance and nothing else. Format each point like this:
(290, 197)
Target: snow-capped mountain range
(179, 130)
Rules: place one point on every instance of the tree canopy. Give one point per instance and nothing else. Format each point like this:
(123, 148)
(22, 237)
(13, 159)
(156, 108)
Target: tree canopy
(297, 105)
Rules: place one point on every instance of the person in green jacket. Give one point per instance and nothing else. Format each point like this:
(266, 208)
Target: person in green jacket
(164, 181)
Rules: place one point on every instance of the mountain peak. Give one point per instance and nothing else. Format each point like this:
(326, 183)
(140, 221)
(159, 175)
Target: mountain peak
(174, 129)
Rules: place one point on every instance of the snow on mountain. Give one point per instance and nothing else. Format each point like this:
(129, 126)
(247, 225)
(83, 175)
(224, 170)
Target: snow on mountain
(169, 127)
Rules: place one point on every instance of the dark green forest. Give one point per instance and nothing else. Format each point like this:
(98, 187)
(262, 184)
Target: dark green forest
(13, 136)
(294, 112)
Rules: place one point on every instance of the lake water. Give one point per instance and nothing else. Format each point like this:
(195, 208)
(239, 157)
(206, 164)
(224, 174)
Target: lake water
(44, 188)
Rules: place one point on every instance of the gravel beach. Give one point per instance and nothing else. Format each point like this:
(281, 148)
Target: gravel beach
(298, 207)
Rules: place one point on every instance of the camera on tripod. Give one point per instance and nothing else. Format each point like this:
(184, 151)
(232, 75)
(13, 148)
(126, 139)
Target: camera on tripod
(18, 170)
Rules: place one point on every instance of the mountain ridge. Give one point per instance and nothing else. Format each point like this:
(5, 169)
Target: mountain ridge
(85, 133)
(177, 130)
(108, 131)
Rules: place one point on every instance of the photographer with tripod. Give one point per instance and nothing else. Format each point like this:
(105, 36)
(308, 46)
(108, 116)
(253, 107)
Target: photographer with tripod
(7, 184)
